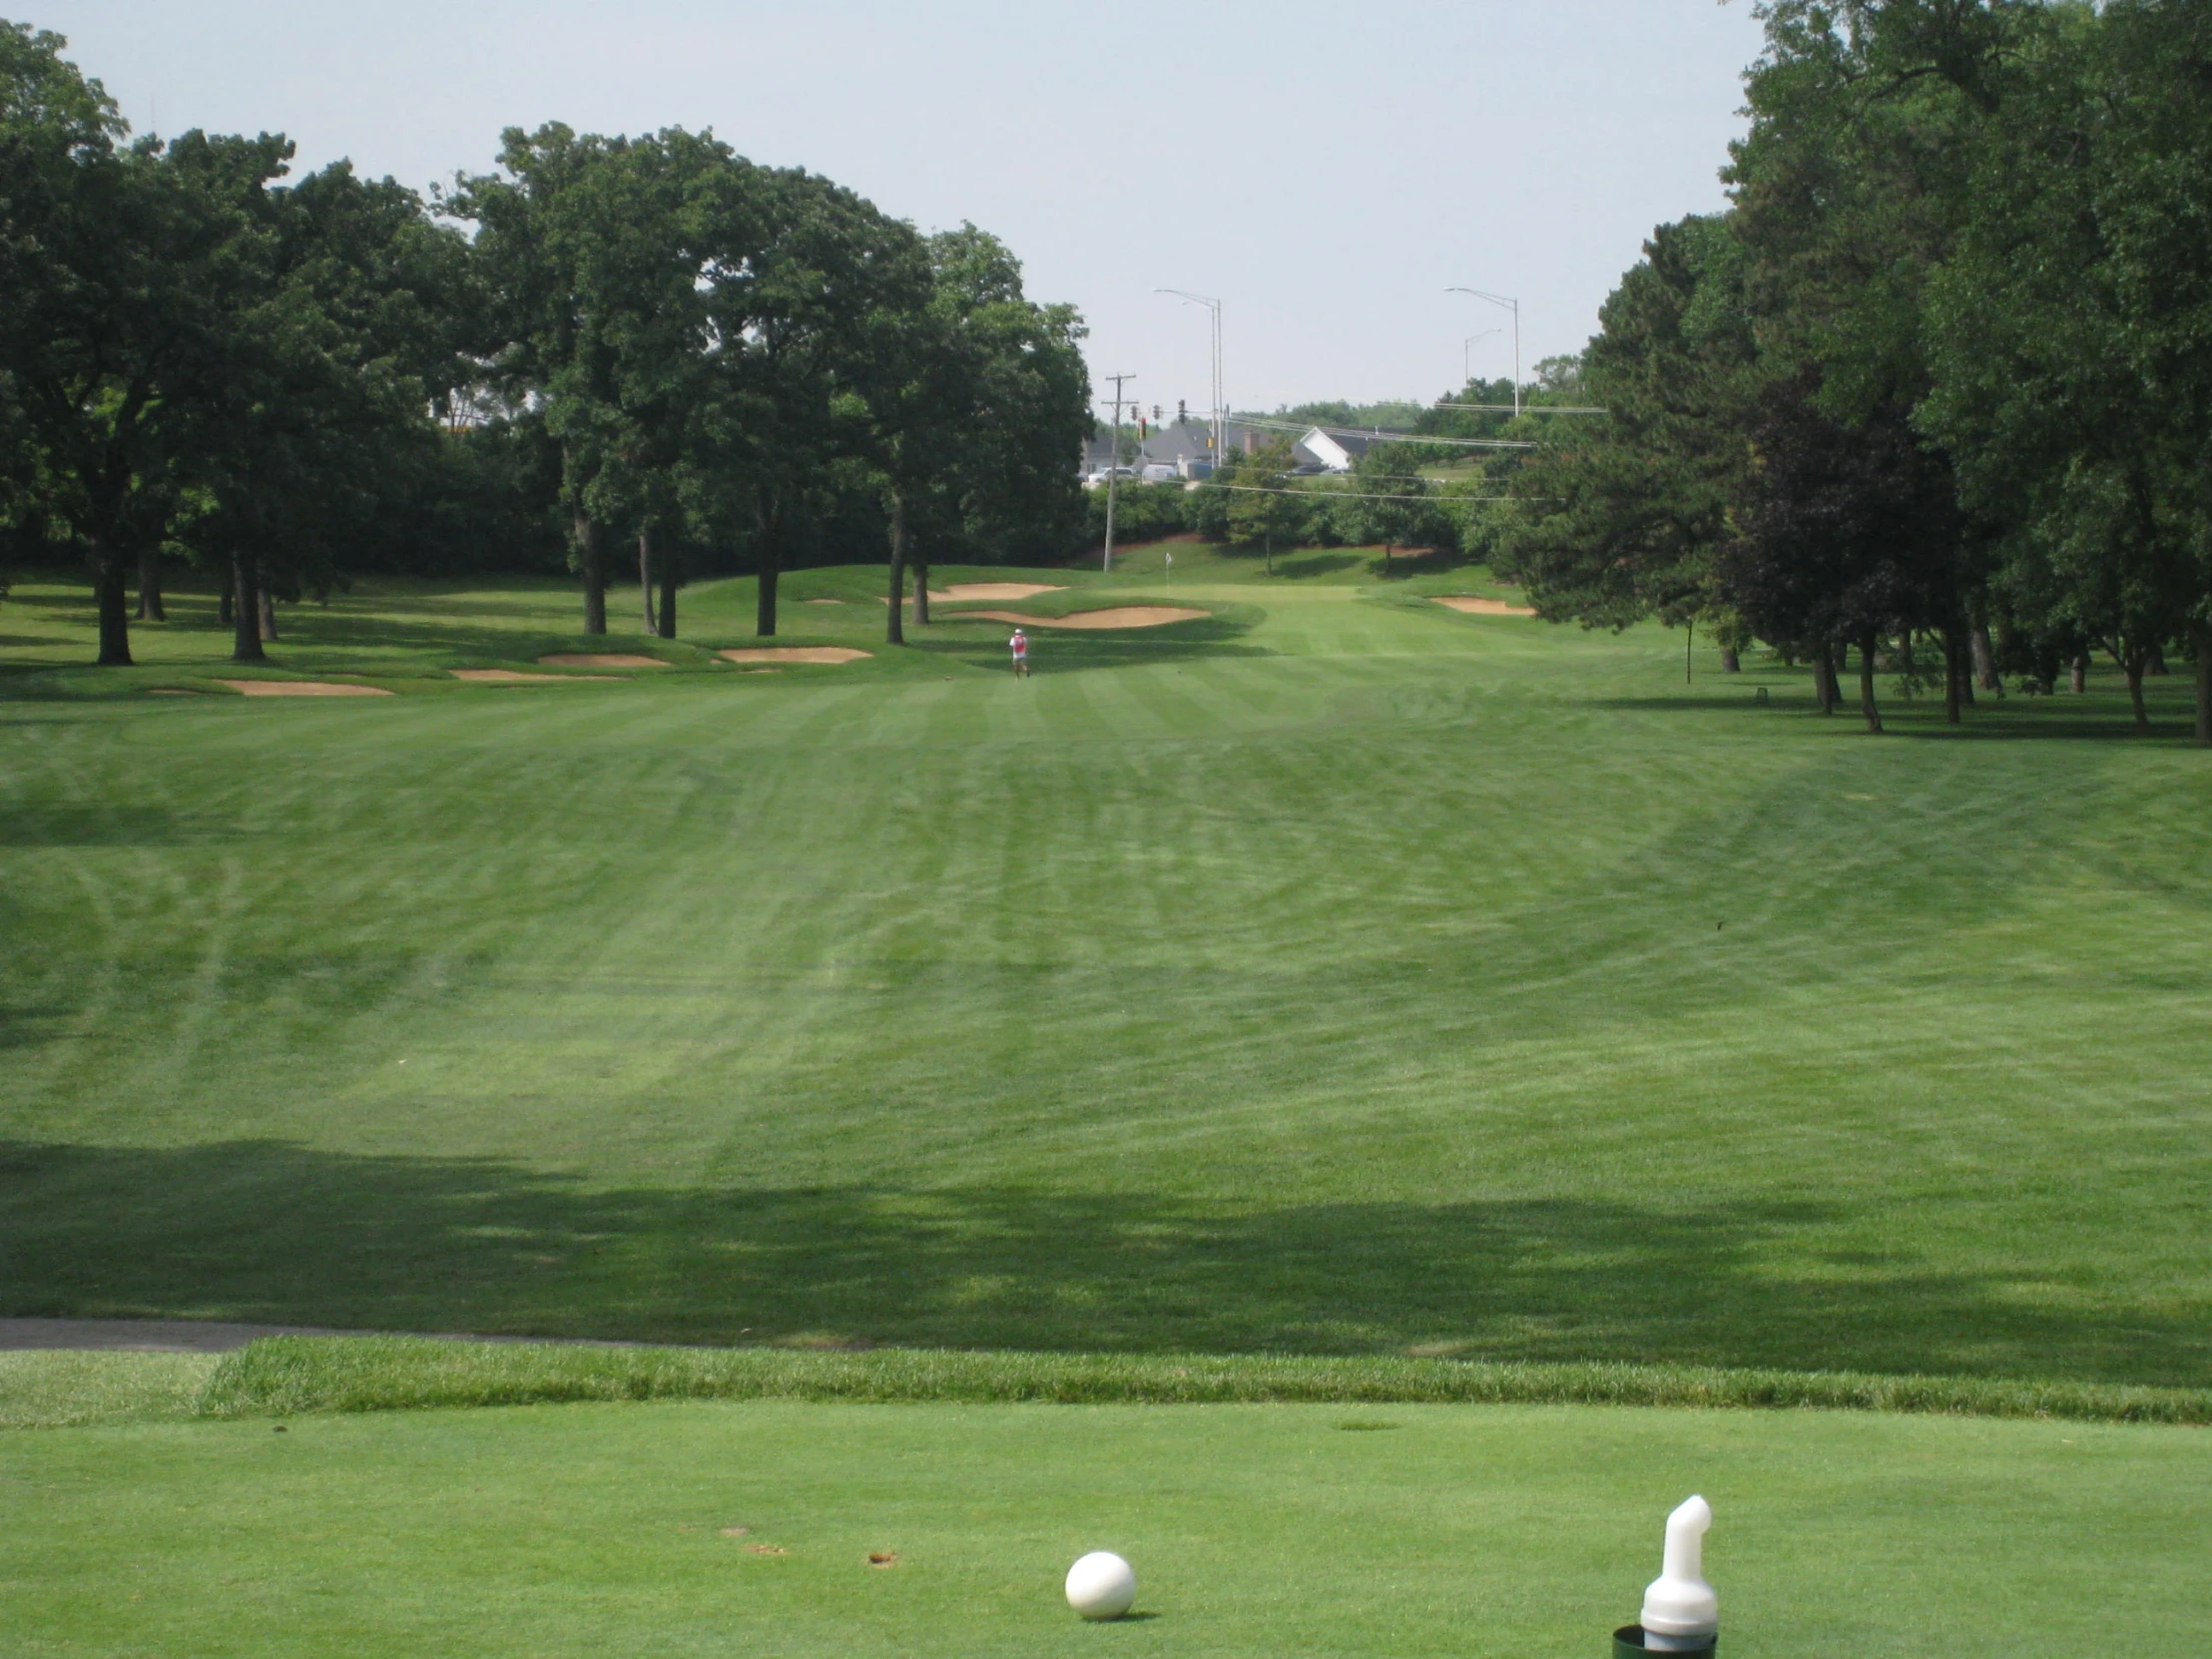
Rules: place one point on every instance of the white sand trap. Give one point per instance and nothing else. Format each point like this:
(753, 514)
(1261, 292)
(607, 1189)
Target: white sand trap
(982, 589)
(996, 590)
(1120, 616)
(794, 653)
(303, 688)
(510, 677)
(600, 659)
(1483, 606)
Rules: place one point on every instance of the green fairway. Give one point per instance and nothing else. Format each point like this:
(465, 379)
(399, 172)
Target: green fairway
(1333, 974)
(1255, 1530)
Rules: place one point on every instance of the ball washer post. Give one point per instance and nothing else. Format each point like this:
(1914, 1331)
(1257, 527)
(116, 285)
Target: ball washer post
(1681, 1612)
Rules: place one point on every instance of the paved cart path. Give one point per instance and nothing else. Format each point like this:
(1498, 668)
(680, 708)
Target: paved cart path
(210, 1337)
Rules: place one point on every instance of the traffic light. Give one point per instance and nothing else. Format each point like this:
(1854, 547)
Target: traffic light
(1182, 414)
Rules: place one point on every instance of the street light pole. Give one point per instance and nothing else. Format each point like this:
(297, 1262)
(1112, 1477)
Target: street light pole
(1220, 410)
(1113, 466)
(1512, 305)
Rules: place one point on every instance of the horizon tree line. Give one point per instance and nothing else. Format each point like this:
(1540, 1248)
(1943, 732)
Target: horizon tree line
(602, 342)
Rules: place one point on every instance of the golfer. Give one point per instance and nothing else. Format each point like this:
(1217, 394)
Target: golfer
(1019, 645)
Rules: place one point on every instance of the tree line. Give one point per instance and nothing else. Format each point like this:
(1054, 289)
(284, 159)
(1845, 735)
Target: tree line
(602, 345)
(1935, 393)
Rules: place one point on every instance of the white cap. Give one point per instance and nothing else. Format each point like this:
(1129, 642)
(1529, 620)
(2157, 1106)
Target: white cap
(1679, 1601)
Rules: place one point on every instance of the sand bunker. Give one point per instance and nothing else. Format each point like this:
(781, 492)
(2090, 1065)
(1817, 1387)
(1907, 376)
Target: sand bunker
(1484, 607)
(601, 659)
(984, 590)
(303, 688)
(830, 601)
(509, 676)
(794, 653)
(1120, 616)
(995, 590)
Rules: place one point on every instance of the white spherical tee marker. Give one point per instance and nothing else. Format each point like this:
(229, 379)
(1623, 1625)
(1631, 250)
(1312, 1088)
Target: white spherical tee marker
(1102, 1585)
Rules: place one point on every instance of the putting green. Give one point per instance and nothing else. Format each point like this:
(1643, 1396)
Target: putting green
(1260, 1531)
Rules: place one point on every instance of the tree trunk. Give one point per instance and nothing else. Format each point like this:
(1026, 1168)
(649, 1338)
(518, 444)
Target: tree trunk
(226, 600)
(115, 607)
(1866, 705)
(644, 578)
(769, 518)
(1389, 548)
(896, 634)
(1825, 691)
(670, 575)
(591, 559)
(1730, 663)
(2204, 684)
(2134, 669)
(2082, 673)
(245, 617)
(150, 586)
(268, 613)
(922, 593)
(2155, 663)
(1984, 658)
(1954, 675)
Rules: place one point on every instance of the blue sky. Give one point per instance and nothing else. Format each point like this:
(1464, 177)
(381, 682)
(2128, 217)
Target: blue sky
(1327, 170)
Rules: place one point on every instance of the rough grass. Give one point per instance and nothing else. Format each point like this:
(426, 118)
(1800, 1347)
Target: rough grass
(287, 1376)
(65, 1389)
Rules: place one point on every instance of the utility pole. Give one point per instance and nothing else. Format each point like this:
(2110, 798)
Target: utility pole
(1113, 465)
(1220, 407)
(1512, 305)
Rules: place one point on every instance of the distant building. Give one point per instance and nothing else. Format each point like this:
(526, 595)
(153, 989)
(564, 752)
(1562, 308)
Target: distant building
(1328, 451)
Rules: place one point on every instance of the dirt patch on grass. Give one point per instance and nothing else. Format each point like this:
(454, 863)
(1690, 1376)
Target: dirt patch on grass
(1468, 606)
(303, 688)
(1119, 616)
(513, 677)
(794, 653)
(601, 659)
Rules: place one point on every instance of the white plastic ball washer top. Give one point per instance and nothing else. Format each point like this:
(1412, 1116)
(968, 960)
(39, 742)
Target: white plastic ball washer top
(1681, 1612)
(1102, 1585)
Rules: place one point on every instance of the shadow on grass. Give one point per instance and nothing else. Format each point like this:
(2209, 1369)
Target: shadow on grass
(279, 1233)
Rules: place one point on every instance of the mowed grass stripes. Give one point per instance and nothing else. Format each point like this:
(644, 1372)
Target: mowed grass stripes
(1362, 979)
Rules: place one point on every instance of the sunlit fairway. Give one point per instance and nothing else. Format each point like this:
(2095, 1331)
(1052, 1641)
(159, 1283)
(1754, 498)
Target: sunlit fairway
(1332, 975)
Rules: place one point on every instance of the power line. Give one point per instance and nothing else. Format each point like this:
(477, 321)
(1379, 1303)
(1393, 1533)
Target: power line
(1529, 409)
(1259, 423)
